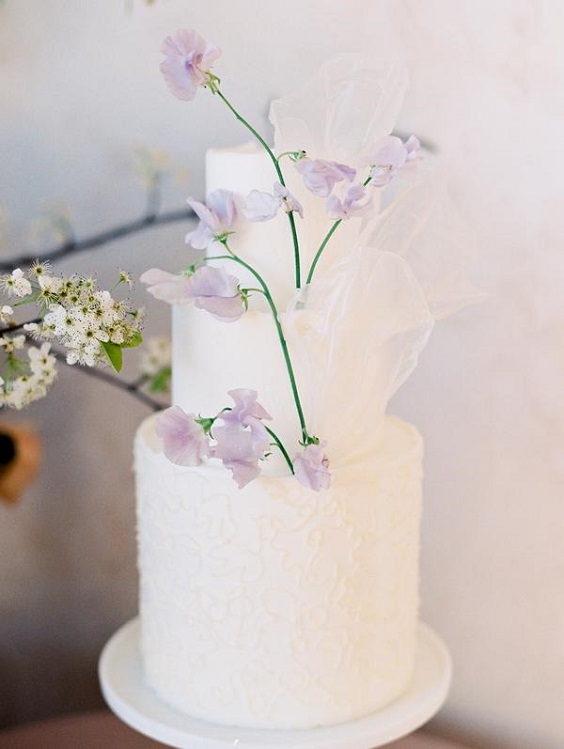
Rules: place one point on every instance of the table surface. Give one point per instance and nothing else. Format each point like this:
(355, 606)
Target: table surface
(103, 730)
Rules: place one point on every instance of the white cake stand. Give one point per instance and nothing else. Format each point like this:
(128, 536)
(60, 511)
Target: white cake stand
(131, 700)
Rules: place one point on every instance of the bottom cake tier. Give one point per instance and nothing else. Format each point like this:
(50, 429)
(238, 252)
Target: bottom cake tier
(274, 606)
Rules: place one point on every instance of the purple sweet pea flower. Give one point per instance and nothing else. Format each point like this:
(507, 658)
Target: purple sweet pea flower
(263, 206)
(354, 203)
(311, 468)
(214, 290)
(217, 217)
(188, 59)
(288, 201)
(167, 287)
(239, 451)
(321, 176)
(246, 409)
(184, 440)
(243, 439)
(391, 158)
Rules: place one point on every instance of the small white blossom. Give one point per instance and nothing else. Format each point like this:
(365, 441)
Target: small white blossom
(16, 283)
(6, 315)
(156, 356)
(58, 321)
(116, 335)
(39, 374)
(41, 268)
(40, 360)
(76, 314)
(125, 277)
(87, 353)
(12, 343)
(51, 284)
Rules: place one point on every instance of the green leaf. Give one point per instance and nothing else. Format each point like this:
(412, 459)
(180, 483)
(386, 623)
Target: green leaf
(161, 381)
(135, 340)
(114, 354)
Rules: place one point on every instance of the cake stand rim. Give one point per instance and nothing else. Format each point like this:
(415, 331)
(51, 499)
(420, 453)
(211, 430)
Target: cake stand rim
(133, 702)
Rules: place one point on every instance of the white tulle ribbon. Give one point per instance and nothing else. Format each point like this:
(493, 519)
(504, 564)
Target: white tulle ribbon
(342, 111)
(357, 340)
(356, 333)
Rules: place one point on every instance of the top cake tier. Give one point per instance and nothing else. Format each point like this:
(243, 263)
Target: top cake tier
(268, 245)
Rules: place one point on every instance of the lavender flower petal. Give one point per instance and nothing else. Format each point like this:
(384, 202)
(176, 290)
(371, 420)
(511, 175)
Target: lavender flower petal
(239, 450)
(242, 471)
(242, 439)
(391, 157)
(188, 59)
(211, 281)
(261, 206)
(311, 468)
(184, 441)
(289, 202)
(167, 287)
(226, 309)
(214, 290)
(217, 217)
(223, 204)
(321, 176)
(355, 203)
(246, 407)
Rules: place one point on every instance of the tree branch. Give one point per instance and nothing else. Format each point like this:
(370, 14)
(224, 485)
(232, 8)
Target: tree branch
(100, 374)
(71, 247)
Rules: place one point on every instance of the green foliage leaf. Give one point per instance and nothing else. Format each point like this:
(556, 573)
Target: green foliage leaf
(114, 354)
(135, 340)
(161, 381)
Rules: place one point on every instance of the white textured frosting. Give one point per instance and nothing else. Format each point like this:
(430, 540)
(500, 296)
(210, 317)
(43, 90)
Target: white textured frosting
(275, 606)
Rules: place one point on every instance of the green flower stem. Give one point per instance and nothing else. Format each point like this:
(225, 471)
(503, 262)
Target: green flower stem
(295, 155)
(306, 439)
(274, 160)
(328, 236)
(322, 246)
(281, 447)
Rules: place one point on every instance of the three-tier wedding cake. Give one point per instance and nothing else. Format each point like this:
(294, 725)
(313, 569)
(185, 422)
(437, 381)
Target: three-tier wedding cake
(276, 602)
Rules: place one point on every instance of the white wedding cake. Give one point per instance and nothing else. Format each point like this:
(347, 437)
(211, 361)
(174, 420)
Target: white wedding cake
(276, 606)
